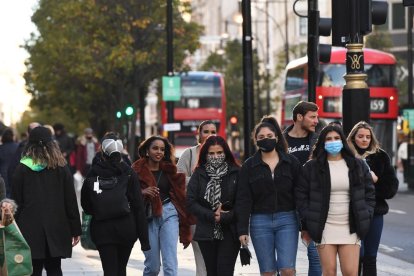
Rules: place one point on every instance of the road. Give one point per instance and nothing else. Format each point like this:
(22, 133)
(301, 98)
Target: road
(397, 238)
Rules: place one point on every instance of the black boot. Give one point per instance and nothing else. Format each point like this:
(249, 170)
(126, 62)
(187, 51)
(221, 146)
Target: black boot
(369, 266)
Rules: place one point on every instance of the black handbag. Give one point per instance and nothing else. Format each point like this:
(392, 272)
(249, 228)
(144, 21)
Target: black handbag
(108, 196)
(245, 255)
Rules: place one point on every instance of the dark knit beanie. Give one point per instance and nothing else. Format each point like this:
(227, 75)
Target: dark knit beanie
(40, 135)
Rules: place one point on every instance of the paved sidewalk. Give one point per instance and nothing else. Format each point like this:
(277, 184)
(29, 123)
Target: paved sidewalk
(88, 263)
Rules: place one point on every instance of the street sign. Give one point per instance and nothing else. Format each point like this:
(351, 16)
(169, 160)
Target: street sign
(172, 127)
(171, 88)
(409, 115)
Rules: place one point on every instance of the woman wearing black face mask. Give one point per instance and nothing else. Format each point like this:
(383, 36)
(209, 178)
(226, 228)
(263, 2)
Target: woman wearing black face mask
(266, 196)
(211, 197)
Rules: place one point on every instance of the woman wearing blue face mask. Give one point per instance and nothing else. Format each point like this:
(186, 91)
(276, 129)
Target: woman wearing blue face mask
(336, 201)
(210, 197)
(265, 201)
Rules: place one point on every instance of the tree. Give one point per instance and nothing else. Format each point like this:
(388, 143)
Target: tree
(91, 57)
(379, 40)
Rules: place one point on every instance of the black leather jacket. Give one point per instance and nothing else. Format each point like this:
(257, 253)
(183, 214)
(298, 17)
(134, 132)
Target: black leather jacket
(201, 208)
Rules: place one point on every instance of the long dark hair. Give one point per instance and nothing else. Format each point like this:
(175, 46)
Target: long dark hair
(169, 149)
(319, 151)
(271, 123)
(212, 141)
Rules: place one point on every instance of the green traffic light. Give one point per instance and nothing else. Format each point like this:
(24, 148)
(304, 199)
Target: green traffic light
(129, 111)
(118, 114)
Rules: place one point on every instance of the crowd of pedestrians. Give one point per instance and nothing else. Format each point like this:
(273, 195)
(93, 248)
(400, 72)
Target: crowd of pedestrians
(308, 182)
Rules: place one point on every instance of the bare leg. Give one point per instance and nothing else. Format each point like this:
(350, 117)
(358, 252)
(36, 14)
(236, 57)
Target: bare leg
(327, 254)
(349, 259)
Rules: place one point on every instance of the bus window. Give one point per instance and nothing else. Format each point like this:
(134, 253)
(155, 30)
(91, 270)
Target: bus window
(200, 92)
(380, 75)
(295, 79)
(332, 75)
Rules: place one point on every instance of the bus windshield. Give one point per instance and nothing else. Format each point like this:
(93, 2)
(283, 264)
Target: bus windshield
(200, 92)
(379, 75)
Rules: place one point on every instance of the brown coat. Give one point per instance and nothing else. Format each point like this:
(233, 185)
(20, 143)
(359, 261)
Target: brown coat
(177, 194)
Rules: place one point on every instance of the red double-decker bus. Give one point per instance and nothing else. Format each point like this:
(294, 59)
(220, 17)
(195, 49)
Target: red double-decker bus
(380, 68)
(203, 97)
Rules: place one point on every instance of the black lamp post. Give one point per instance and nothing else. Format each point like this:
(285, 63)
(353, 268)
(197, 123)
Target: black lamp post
(247, 77)
(170, 64)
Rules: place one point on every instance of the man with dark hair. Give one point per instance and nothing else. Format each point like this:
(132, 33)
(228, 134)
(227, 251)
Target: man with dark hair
(301, 136)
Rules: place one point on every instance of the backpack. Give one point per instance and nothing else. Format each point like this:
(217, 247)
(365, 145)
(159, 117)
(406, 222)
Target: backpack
(108, 196)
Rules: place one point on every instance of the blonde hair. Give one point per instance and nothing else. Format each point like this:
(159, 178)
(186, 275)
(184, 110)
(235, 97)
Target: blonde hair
(373, 146)
(48, 154)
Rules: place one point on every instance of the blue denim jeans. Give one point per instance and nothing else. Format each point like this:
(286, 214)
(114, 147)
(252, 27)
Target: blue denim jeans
(370, 245)
(314, 261)
(163, 237)
(275, 240)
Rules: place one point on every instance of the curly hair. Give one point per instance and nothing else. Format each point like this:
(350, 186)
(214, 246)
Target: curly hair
(271, 123)
(48, 154)
(169, 149)
(212, 141)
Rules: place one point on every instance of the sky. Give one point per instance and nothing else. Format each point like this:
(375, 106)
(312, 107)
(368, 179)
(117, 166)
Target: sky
(15, 28)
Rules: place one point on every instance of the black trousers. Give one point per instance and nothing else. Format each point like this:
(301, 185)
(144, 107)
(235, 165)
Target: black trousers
(51, 265)
(114, 258)
(220, 255)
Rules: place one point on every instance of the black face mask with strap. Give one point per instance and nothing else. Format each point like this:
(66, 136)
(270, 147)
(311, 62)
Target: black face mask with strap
(267, 144)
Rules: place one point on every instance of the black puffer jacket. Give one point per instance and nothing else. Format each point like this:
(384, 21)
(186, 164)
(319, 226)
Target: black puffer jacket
(387, 185)
(198, 206)
(313, 196)
(126, 229)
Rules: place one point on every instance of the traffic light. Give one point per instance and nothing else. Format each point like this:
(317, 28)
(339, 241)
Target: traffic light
(368, 13)
(233, 123)
(324, 29)
(371, 12)
(118, 114)
(129, 110)
(316, 52)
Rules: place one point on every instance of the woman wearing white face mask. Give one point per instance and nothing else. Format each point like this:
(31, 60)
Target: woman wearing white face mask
(336, 201)
(211, 197)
